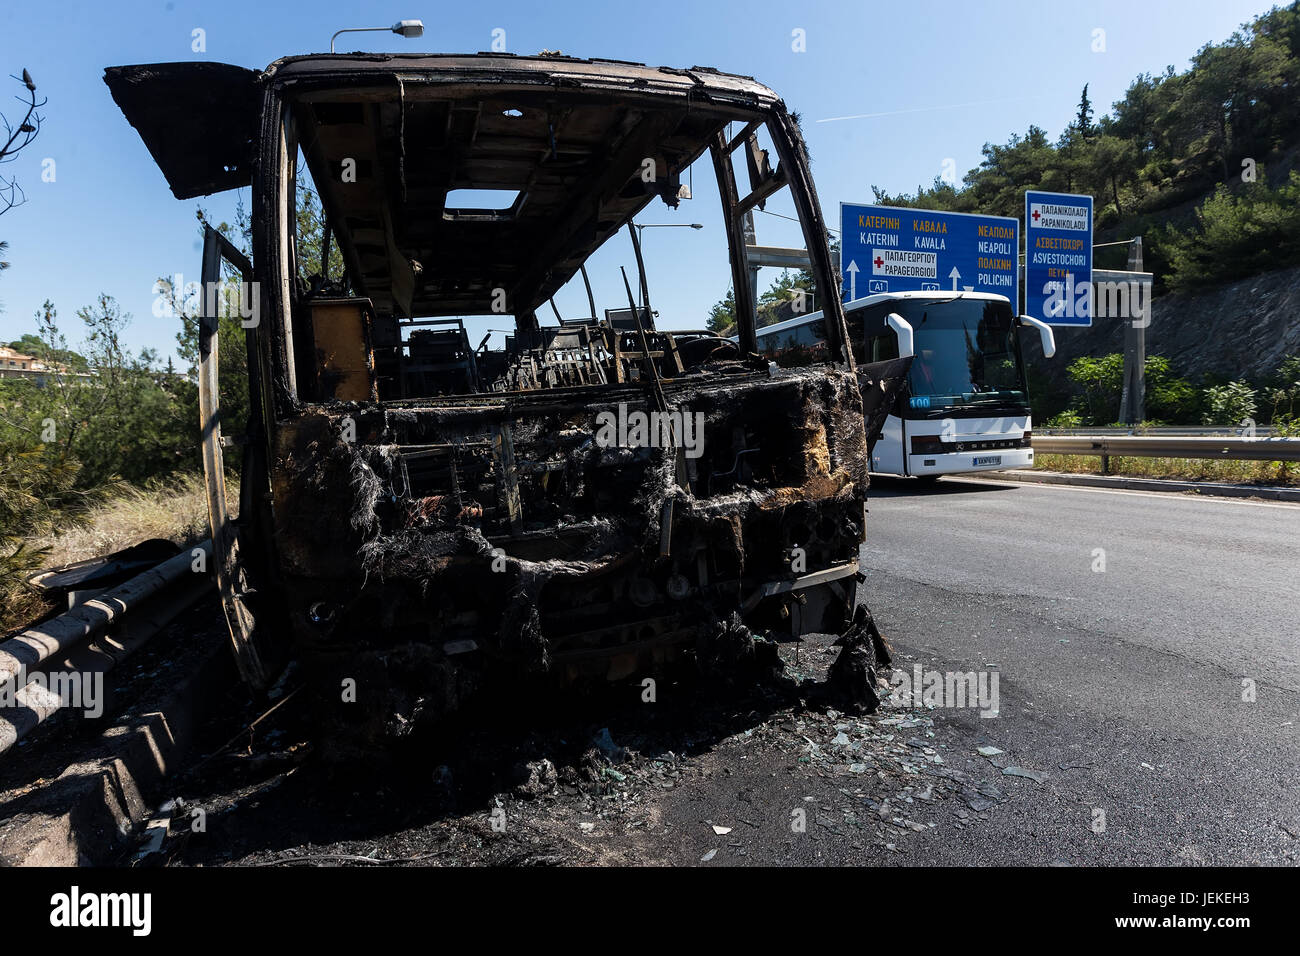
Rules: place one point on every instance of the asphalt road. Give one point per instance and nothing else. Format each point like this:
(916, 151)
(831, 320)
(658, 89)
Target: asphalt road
(1124, 686)
(1120, 715)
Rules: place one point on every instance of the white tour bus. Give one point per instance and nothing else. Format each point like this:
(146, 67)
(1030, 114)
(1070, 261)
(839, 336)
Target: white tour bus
(965, 405)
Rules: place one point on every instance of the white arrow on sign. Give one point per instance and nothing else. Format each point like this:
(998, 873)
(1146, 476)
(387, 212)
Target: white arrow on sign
(954, 276)
(852, 270)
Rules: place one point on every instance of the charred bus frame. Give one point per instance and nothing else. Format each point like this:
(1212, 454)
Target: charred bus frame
(427, 542)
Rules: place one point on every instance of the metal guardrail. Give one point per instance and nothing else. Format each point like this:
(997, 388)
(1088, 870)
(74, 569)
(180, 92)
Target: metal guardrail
(1169, 446)
(1190, 431)
(91, 639)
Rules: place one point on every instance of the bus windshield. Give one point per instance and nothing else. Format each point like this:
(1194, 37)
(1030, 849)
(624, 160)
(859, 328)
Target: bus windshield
(966, 354)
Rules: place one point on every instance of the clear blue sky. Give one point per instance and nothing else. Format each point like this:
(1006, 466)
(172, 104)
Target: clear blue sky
(940, 78)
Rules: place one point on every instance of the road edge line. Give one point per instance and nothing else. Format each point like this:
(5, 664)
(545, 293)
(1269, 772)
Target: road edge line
(1208, 489)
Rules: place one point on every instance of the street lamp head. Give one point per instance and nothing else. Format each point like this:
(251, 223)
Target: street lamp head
(697, 225)
(403, 28)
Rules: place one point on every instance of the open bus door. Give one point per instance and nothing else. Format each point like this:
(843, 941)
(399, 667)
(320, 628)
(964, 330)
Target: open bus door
(880, 384)
(232, 581)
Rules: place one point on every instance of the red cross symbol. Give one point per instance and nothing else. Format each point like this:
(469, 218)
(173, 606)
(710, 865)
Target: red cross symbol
(878, 261)
(1035, 215)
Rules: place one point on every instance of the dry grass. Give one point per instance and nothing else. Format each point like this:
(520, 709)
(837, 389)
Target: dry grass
(1184, 469)
(20, 606)
(175, 509)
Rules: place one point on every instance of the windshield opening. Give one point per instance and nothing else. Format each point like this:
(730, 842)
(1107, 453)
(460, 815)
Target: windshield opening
(452, 241)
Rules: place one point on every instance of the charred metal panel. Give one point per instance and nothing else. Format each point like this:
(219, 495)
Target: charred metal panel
(198, 120)
(550, 557)
(345, 359)
(881, 384)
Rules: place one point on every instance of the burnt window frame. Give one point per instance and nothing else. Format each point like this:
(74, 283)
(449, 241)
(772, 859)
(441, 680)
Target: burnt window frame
(273, 191)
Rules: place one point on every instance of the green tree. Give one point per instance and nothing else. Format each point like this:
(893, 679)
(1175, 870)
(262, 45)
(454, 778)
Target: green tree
(1026, 162)
(1100, 381)
(311, 226)
(1230, 404)
(1283, 391)
(1218, 110)
(1083, 120)
(123, 419)
(1100, 384)
(133, 416)
(33, 345)
(1277, 106)
(722, 317)
(791, 290)
(1170, 400)
(1111, 163)
(1231, 232)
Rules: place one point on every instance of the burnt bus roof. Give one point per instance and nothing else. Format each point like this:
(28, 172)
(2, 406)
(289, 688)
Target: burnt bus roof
(594, 72)
(569, 135)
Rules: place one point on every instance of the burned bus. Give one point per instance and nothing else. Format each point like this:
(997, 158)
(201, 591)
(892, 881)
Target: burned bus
(422, 514)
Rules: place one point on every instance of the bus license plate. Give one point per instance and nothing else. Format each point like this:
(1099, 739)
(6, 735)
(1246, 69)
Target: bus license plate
(988, 460)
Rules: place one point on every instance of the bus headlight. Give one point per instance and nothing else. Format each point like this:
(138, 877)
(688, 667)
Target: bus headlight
(930, 445)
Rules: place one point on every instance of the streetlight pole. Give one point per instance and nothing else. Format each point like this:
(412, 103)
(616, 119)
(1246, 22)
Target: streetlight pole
(640, 234)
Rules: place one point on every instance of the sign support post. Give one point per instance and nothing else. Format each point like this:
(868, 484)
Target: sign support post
(1132, 405)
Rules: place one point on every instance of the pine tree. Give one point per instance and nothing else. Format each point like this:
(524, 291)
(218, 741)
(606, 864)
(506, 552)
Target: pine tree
(1084, 120)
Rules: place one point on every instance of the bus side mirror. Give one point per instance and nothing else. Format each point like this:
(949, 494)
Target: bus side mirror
(1044, 331)
(903, 330)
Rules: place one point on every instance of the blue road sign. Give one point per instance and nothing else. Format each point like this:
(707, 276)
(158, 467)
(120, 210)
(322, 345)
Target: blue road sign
(891, 249)
(1058, 258)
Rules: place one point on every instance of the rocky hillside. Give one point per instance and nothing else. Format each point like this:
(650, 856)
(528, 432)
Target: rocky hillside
(1241, 329)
